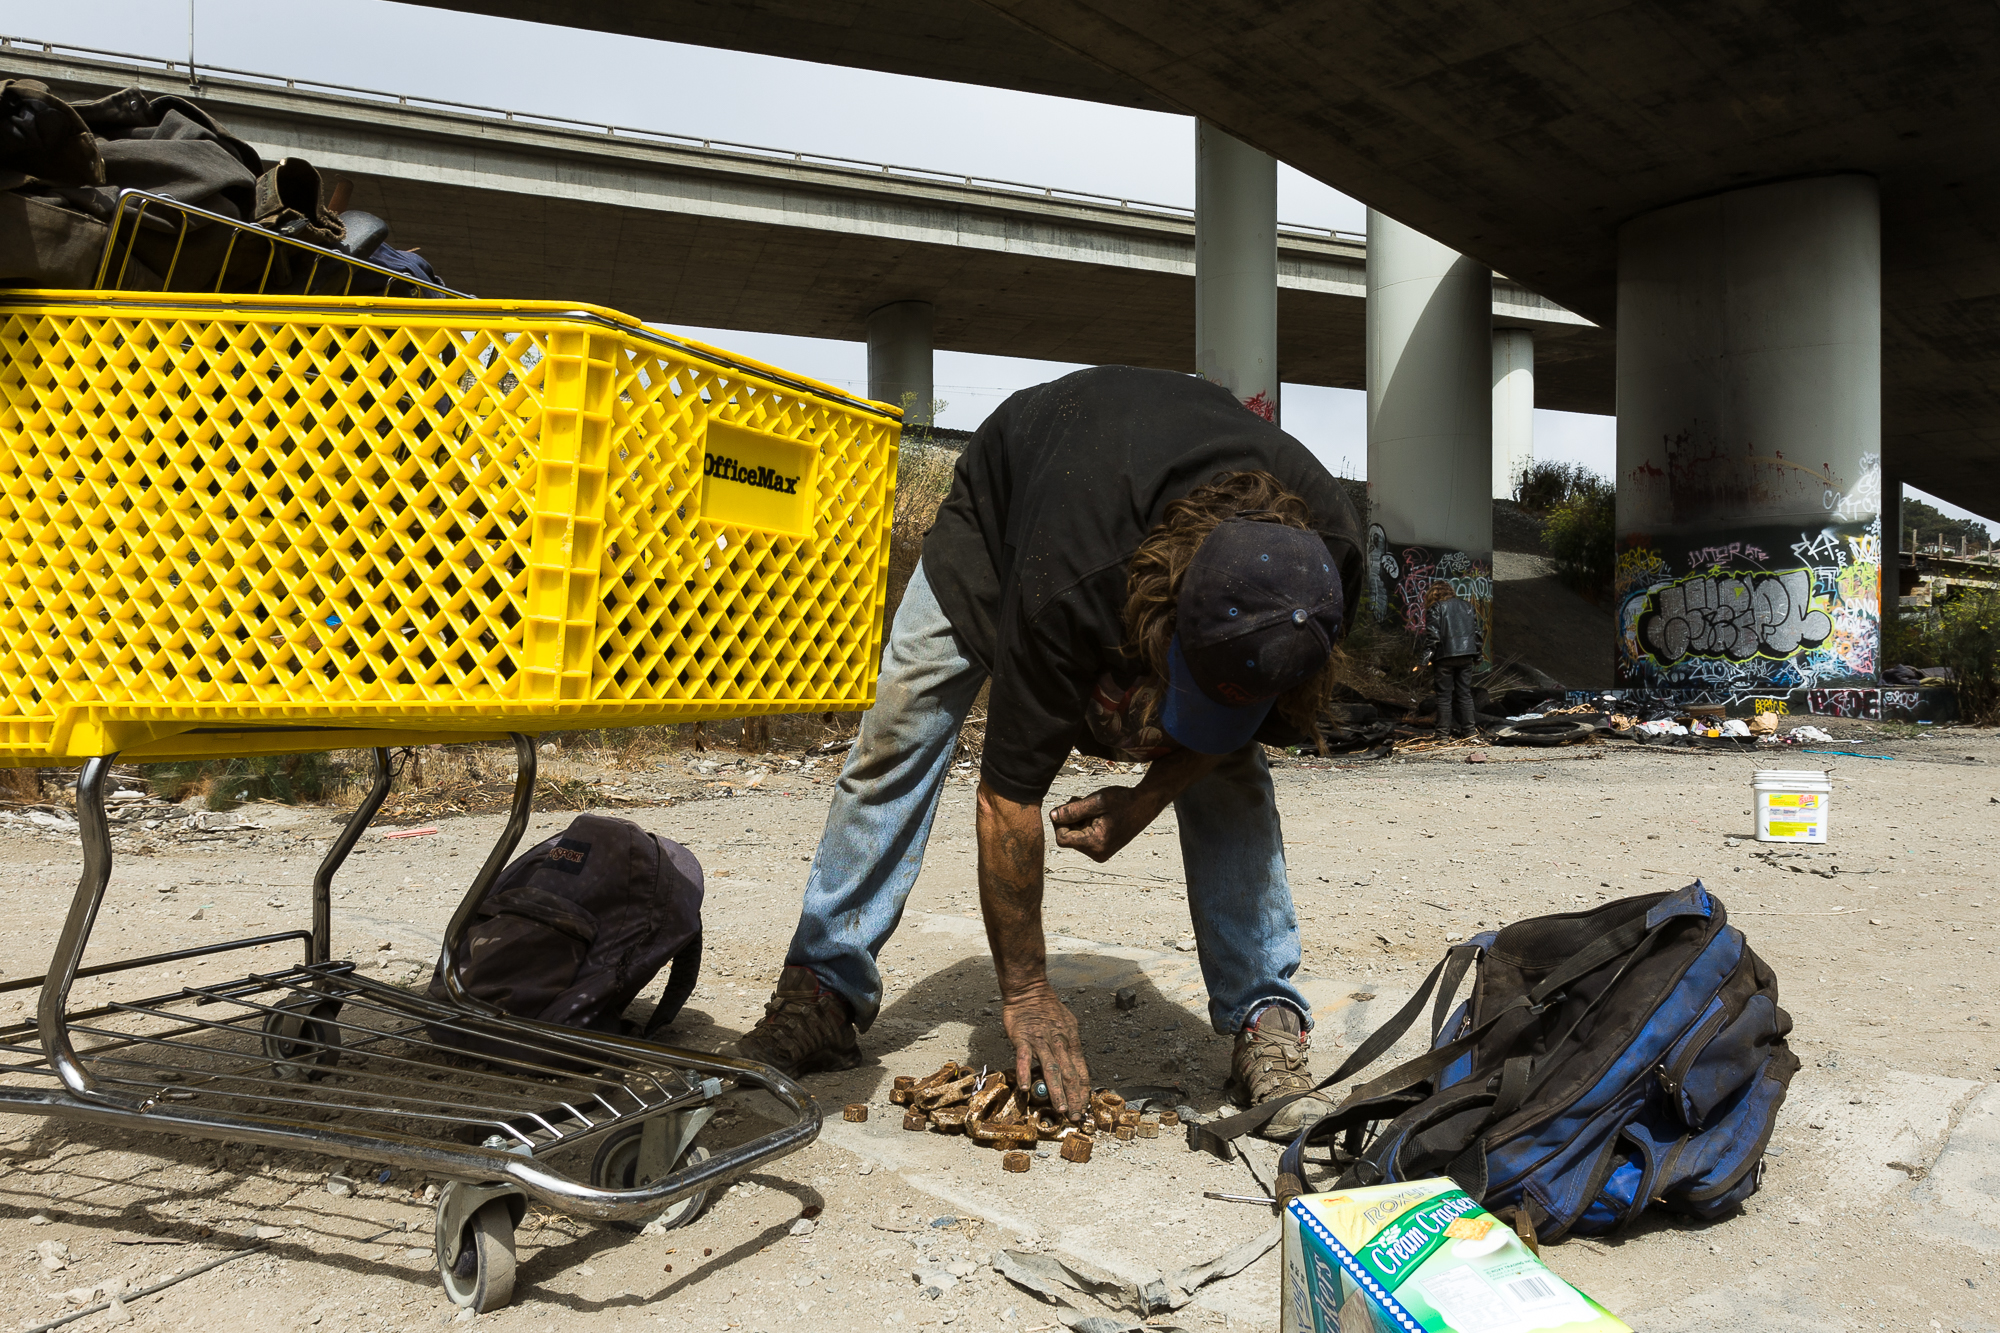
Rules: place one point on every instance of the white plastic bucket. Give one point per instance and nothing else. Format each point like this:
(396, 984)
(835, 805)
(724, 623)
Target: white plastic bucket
(1791, 804)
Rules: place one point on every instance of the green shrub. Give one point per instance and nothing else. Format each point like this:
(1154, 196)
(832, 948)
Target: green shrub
(1546, 483)
(1967, 640)
(1580, 532)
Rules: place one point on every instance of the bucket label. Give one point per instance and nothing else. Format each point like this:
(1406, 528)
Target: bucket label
(1804, 802)
(753, 480)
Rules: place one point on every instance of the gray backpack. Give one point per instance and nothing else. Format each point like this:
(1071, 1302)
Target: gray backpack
(576, 928)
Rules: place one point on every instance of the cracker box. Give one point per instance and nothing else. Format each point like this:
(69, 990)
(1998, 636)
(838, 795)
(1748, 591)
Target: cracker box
(1420, 1257)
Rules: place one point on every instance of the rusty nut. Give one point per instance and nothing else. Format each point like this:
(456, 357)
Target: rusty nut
(1148, 1127)
(1076, 1148)
(1170, 1118)
(854, 1113)
(1124, 1133)
(1128, 1119)
(915, 1120)
(1016, 1161)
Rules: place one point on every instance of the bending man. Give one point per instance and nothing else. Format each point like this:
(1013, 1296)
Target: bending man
(1143, 569)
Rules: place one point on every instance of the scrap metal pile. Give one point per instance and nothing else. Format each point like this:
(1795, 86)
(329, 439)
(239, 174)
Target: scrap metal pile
(989, 1108)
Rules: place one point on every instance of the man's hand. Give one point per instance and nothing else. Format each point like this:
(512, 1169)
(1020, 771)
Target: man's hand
(1100, 824)
(1043, 1031)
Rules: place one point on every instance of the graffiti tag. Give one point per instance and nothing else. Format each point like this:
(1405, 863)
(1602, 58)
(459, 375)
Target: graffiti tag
(1857, 704)
(1734, 616)
(1722, 555)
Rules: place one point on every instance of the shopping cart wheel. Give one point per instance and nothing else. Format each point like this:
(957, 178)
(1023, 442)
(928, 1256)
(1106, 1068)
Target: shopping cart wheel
(616, 1167)
(302, 1039)
(481, 1278)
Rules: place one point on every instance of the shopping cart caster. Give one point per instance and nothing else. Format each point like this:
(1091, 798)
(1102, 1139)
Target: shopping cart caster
(475, 1243)
(627, 1160)
(302, 1037)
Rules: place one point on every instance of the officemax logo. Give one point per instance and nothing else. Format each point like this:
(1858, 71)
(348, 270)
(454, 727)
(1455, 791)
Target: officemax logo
(720, 465)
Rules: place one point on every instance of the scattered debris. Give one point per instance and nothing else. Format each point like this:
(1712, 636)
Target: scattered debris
(410, 833)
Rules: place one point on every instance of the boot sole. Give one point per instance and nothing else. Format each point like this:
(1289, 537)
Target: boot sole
(820, 1062)
(827, 1062)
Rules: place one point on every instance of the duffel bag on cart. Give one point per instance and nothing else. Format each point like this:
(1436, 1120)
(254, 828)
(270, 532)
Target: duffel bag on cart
(576, 928)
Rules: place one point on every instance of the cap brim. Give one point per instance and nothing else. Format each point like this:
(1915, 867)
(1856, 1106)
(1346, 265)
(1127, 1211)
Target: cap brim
(1199, 722)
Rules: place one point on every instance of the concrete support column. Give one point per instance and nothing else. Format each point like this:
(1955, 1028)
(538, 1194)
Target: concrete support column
(1236, 268)
(1513, 408)
(1893, 536)
(1430, 423)
(1749, 447)
(899, 359)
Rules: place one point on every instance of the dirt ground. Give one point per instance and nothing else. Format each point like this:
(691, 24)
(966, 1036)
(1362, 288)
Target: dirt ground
(1878, 1211)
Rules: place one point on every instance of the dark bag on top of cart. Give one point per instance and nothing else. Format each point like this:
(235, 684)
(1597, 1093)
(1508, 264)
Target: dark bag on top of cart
(576, 928)
(1609, 1061)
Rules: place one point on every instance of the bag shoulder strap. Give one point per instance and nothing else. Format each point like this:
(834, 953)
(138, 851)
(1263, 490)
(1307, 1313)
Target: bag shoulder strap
(684, 971)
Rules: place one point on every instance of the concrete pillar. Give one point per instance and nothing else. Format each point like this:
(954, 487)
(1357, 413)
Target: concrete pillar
(1236, 268)
(1513, 408)
(899, 359)
(1749, 446)
(1893, 537)
(1430, 422)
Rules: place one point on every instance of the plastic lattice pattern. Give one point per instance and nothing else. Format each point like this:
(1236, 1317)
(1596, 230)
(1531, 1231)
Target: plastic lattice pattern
(236, 524)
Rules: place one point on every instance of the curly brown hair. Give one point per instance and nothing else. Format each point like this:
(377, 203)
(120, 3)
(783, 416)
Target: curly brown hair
(1153, 580)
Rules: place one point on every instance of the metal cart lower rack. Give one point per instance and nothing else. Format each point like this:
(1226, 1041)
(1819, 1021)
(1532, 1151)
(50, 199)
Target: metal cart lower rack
(317, 1057)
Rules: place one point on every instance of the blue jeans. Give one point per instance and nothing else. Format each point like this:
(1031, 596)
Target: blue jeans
(1231, 845)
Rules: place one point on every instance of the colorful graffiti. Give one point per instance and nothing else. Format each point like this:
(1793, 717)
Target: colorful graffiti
(1735, 620)
(1399, 576)
(1888, 705)
(1853, 704)
(1735, 616)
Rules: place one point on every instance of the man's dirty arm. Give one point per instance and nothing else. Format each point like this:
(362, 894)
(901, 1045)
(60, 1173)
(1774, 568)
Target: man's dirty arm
(1011, 850)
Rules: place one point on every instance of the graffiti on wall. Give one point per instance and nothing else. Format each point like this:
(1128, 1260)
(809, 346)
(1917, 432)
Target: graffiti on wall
(1775, 609)
(1734, 616)
(1400, 575)
(1853, 704)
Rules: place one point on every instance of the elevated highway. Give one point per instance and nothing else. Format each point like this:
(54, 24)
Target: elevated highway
(681, 230)
(1525, 134)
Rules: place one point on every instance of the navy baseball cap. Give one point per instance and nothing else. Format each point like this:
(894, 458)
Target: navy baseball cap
(1260, 610)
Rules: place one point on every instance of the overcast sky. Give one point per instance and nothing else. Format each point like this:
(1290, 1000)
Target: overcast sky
(761, 100)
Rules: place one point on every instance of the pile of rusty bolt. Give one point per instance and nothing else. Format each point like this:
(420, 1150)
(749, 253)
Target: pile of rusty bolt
(990, 1109)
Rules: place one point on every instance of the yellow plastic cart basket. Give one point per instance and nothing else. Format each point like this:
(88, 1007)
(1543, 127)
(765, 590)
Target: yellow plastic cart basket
(261, 524)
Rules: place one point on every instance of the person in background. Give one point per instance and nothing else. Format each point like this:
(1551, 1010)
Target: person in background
(1454, 640)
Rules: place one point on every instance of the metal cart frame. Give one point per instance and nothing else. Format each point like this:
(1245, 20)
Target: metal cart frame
(253, 1060)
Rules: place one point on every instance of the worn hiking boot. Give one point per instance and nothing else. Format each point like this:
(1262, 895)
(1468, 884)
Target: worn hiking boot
(1270, 1062)
(805, 1028)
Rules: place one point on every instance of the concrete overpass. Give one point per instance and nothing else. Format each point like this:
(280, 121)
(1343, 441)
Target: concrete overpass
(1525, 134)
(678, 230)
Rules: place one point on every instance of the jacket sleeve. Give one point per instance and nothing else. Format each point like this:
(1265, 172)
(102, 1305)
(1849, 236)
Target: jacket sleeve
(1432, 626)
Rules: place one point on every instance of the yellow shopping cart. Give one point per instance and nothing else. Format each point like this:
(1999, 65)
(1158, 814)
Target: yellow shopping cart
(266, 523)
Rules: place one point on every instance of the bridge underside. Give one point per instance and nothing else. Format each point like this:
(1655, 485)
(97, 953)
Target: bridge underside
(682, 235)
(1525, 134)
